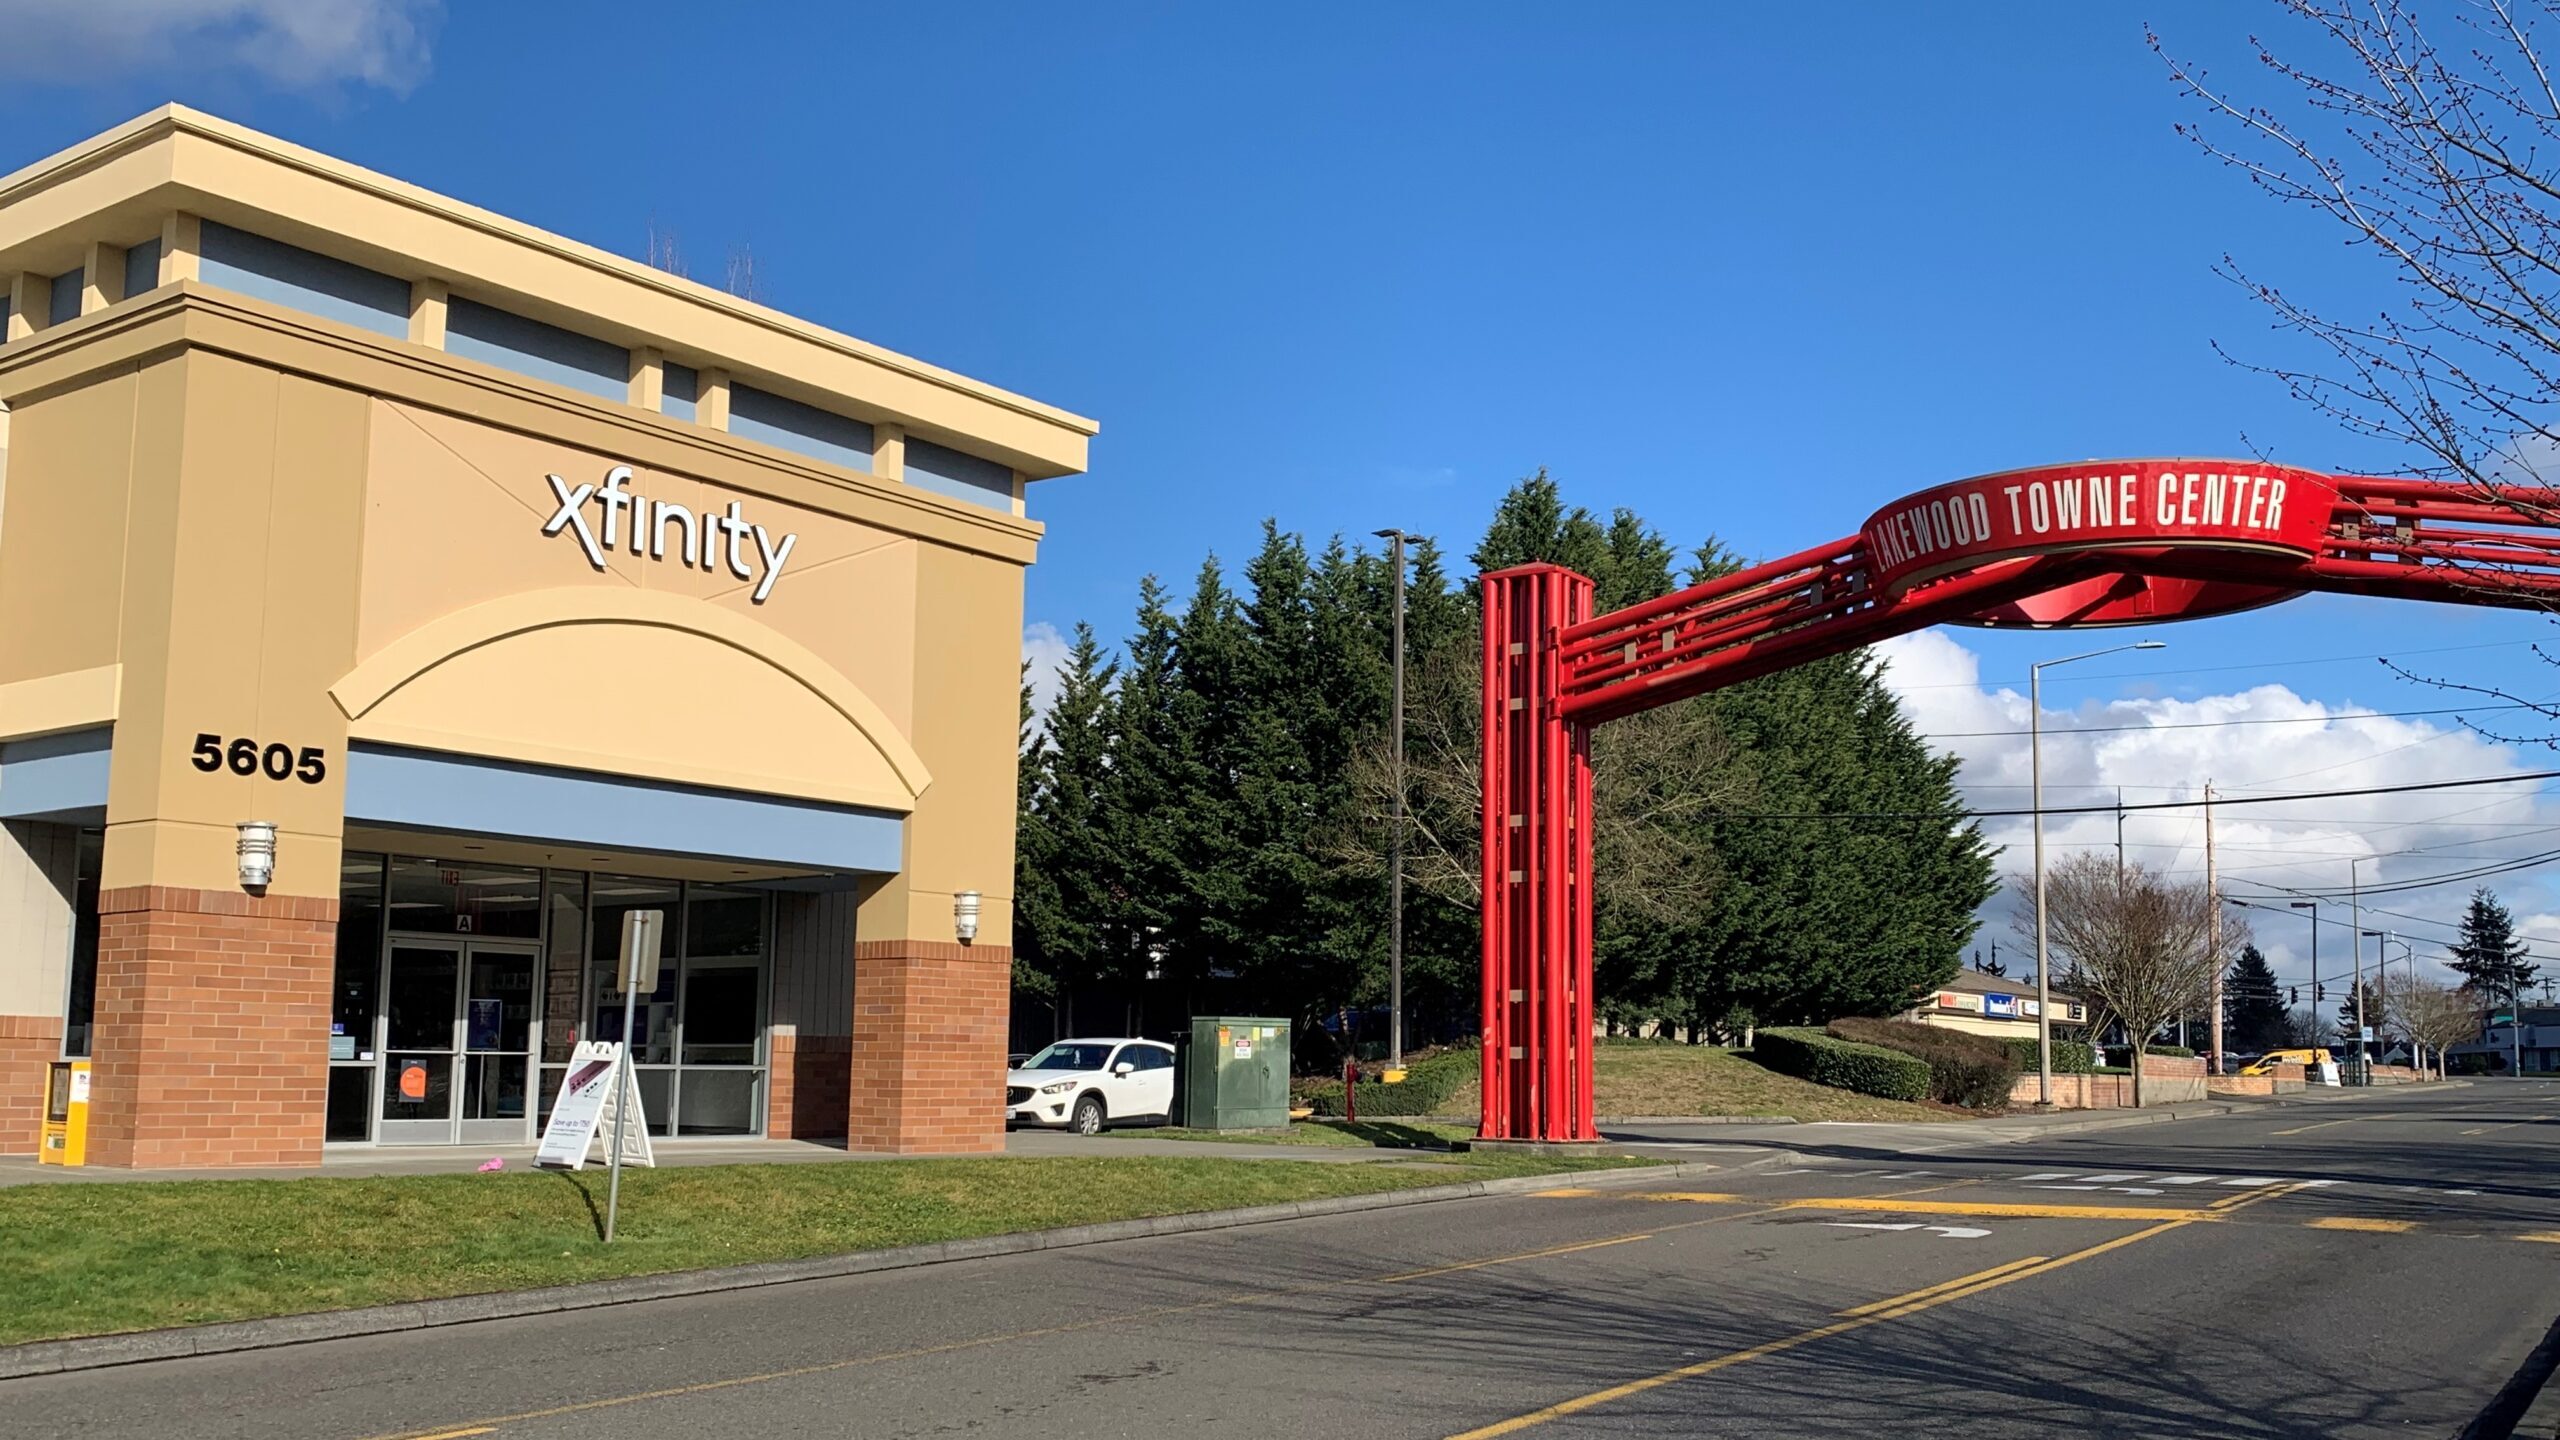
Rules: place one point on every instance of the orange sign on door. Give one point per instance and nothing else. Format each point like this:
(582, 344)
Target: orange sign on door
(413, 1082)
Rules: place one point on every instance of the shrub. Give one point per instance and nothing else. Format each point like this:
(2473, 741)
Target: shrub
(1428, 1084)
(2174, 1052)
(2070, 1057)
(1973, 1071)
(1809, 1054)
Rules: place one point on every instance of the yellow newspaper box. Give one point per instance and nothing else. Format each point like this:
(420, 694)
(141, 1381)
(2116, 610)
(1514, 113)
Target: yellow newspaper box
(66, 1114)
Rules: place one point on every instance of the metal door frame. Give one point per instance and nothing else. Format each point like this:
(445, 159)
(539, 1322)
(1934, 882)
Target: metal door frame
(386, 1130)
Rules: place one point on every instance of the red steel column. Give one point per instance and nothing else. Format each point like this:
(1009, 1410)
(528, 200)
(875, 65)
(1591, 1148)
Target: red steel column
(1536, 1066)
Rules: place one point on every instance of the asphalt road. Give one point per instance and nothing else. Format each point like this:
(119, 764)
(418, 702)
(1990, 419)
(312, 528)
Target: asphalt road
(2376, 1264)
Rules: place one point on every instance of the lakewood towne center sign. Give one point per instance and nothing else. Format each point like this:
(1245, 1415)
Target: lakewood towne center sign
(702, 540)
(2025, 512)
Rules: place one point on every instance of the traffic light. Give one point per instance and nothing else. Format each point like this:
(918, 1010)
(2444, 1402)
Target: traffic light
(2293, 996)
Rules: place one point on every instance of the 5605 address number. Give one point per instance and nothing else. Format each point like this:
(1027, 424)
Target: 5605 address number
(247, 757)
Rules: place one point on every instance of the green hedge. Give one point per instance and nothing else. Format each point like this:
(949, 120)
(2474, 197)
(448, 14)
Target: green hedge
(1428, 1084)
(2070, 1057)
(2174, 1052)
(1972, 1071)
(1809, 1054)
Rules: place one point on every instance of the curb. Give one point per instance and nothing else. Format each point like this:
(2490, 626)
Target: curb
(56, 1357)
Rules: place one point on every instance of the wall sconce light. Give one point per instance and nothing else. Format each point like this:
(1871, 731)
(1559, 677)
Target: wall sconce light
(964, 915)
(257, 854)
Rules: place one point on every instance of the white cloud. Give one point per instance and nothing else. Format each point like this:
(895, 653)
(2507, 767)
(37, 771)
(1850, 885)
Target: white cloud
(2263, 849)
(301, 44)
(1044, 650)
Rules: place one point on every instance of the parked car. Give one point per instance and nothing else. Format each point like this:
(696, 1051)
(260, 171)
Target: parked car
(1084, 1085)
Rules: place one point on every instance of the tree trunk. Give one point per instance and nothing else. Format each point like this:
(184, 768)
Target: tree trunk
(2137, 1074)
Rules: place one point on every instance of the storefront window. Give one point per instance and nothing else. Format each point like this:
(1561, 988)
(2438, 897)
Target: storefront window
(723, 975)
(352, 998)
(654, 1020)
(443, 898)
(565, 898)
(81, 1006)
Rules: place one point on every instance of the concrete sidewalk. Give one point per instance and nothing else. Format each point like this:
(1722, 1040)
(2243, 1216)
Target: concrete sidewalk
(460, 1159)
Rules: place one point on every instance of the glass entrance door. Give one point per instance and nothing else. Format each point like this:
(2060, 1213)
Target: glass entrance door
(497, 1044)
(421, 1025)
(457, 1043)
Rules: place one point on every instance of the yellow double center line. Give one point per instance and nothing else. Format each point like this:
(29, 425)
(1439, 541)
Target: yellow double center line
(1892, 1308)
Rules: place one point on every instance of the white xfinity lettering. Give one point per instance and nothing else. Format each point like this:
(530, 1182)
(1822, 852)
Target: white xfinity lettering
(722, 536)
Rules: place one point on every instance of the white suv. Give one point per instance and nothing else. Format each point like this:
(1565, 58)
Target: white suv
(1084, 1085)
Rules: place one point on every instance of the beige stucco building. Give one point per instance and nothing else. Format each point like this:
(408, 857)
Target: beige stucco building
(516, 585)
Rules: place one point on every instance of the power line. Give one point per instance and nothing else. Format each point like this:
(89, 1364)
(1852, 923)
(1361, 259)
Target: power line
(1971, 814)
(2147, 673)
(2428, 882)
(2226, 724)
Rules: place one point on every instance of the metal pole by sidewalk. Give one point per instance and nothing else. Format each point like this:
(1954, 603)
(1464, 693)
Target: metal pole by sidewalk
(1395, 841)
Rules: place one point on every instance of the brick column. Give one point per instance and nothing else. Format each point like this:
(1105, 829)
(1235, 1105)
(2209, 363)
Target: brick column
(29, 1044)
(811, 1075)
(929, 1027)
(211, 1043)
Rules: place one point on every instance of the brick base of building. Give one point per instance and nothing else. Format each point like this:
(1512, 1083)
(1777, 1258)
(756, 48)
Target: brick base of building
(812, 1080)
(29, 1044)
(929, 1029)
(211, 1040)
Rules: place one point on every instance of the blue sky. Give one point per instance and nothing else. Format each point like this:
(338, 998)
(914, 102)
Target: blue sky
(1752, 271)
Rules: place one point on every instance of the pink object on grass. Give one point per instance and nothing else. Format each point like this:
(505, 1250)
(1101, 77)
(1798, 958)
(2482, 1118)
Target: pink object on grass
(493, 1163)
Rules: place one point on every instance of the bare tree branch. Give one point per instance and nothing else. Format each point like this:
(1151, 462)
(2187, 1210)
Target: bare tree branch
(2142, 943)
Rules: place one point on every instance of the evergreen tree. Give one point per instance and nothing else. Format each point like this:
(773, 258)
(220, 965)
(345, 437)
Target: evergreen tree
(1151, 782)
(2488, 956)
(1066, 902)
(2376, 1009)
(2253, 1007)
(1030, 766)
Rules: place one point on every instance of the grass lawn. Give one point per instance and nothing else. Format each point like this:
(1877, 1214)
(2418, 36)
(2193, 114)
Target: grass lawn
(92, 1259)
(1644, 1077)
(1397, 1134)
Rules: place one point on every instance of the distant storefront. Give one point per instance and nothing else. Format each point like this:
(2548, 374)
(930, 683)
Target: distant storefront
(1992, 1005)
(515, 585)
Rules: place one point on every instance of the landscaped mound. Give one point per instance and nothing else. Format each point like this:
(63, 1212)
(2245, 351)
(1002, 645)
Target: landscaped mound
(1973, 1071)
(1810, 1054)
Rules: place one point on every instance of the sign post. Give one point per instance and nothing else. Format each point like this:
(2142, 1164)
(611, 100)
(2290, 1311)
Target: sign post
(642, 932)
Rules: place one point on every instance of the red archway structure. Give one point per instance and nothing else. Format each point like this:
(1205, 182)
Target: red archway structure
(2101, 542)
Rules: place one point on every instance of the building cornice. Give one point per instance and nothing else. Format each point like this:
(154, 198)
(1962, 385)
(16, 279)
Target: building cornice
(176, 158)
(191, 316)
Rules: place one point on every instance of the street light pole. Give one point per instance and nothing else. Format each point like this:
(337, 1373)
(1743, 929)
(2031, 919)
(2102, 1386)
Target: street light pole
(2035, 776)
(2382, 979)
(1395, 826)
(2314, 907)
(2355, 937)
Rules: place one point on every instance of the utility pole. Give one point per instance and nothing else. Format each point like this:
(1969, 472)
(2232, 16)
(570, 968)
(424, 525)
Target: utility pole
(2120, 828)
(1395, 826)
(2213, 894)
(2035, 778)
(2355, 937)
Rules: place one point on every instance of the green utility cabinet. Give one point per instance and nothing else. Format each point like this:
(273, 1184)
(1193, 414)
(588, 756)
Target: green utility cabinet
(1235, 1073)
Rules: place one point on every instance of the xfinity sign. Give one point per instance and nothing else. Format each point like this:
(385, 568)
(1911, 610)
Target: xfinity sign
(706, 540)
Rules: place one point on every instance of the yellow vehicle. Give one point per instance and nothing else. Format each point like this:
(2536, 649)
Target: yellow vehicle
(2266, 1064)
